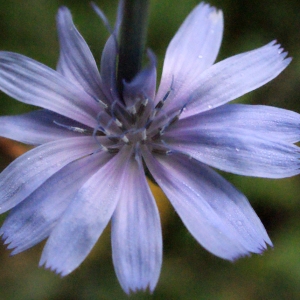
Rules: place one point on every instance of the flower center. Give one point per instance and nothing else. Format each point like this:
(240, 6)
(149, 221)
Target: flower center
(141, 123)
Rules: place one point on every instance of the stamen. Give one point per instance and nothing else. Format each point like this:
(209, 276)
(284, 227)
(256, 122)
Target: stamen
(125, 139)
(157, 135)
(101, 147)
(112, 109)
(133, 118)
(132, 109)
(142, 107)
(170, 122)
(175, 119)
(109, 123)
(104, 105)
(124, 114)
(161, 103)
(161, 151)
(149, 122)
(144, 135)
(164, 115)
(71, 128)
(113, 150)
(100, 128)
(118, 123)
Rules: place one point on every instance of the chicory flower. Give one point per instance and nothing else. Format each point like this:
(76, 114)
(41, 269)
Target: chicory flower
(93, 144)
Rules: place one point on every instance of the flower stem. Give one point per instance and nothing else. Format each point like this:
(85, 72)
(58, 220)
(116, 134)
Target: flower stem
(132, 39)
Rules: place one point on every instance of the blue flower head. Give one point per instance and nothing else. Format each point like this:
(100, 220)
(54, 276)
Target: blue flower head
(93, 143)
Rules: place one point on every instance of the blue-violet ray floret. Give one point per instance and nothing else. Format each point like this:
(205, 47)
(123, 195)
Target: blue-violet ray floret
(92, 145)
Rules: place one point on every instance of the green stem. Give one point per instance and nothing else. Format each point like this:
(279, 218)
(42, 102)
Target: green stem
(132, 40)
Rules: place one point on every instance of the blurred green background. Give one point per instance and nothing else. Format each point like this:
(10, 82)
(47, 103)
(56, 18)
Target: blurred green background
(188, 271)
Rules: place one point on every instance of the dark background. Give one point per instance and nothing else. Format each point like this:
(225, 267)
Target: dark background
(188, 271)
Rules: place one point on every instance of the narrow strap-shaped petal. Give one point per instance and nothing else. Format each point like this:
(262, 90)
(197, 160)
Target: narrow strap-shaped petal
(193, 49)
(34, 83)
(217, 215)
(136, 233)
(76, 61)
(86, 217)
(33, 219)
(39, 127)
(29, 171)
(108, 64)
(230, 79)
(265, 121)
(108, 69)
(239, 151)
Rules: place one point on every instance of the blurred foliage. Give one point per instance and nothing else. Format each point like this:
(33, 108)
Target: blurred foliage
(188, 271)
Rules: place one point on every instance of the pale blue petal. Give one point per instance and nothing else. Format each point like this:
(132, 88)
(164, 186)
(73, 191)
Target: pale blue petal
(105, 21)
(109, 56)
(86, 217)
(108, 69)
(193, 49)
(217, 215)
(265, 121)
(29, 171)
(238, 151)
(34, 83)
(136, 234)
(33, 219)
(39, 127)
(230, 79)
(76, 61)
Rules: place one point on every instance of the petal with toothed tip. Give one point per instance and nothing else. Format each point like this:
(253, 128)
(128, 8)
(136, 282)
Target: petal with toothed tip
(33, 219)
(193, 49)
(216, 214)
(237, 150)
(86, 217)
(230, 79)
(136, 234)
